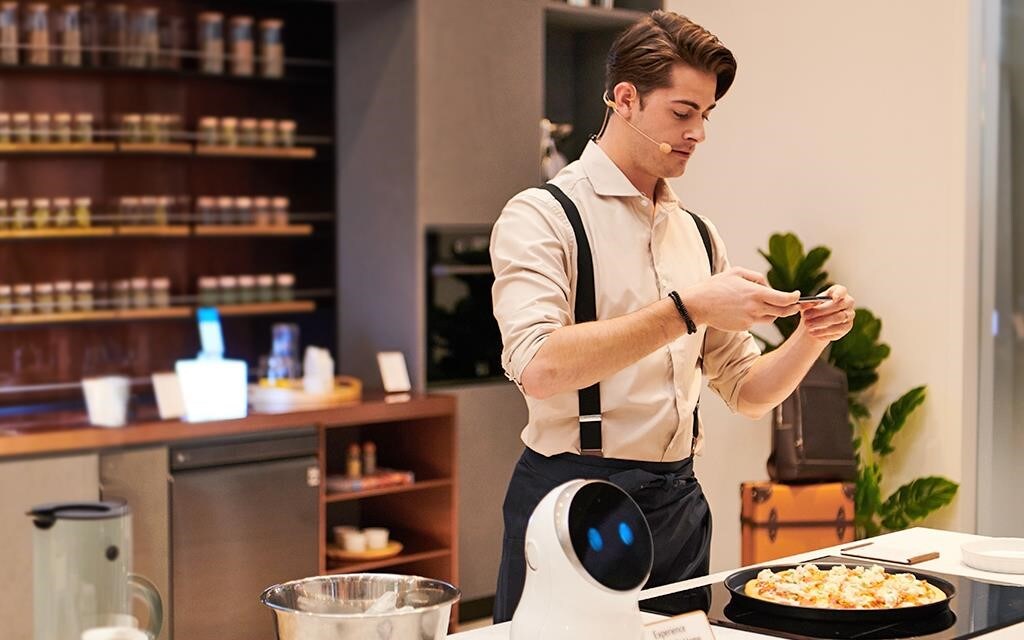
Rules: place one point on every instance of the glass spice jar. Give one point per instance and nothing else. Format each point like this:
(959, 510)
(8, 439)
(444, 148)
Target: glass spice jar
(83, 130)
(147, 210)
(206, 210)
(268, 133)
(83, 212)
(41, 212)
(209, 294)
(65, 297)
(37, 34)
(128, 210)
(9, 33)
(249, 136)
(228, 286)
(226, 210)
(242, 49)
(140, 293)
(70, 28)
(265, 287)
(62, 128)
(261, 213)
(209, 131)
(272, 48)
(285, 286)
(41, 128)
(5, 128)
(6, 300)
(243, 210)
(43, 299)
(286, 133)
(20, 213)
(121, 294)
(246, 289)
(62, 212)
(211, 42)
(162, 210)
(116, 35)
(5, 219)
(21, 128)
(160, 292)
(83, 295)
(131, 128)
(280, 206)
(170, 127)
(229, 132)
(151, 124)
(23, 303)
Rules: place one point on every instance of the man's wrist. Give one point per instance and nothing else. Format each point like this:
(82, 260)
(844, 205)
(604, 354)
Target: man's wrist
(684, 313)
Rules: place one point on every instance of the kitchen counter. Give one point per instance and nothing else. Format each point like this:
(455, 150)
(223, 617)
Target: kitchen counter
(45, 434)
(945, 542)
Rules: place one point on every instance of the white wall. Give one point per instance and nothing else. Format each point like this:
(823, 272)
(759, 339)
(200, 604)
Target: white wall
(848, 124)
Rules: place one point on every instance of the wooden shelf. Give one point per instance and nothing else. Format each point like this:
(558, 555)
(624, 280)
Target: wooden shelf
(272, 153)
(384, 491)
(96, 147)
(264, 308)
(168, 148)
(173, 231)
(74, 232)
(405, 557)
(253, 230)
(590, 18)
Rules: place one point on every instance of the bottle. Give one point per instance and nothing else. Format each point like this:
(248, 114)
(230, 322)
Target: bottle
(83, 295)
(353, 462)
(5, 127)
(271, 48)
(62, 212)
(242, 50)
(9, 33)
(83, 128)
(62, 128)
(83, 212)
(369, 458)
(65, 296)
(211, 42)
(41, 212)
(37, 34)
(41, 128)
(71, 36)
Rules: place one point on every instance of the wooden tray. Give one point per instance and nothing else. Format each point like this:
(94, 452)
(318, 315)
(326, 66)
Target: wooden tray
(334, 552)
(283, 399)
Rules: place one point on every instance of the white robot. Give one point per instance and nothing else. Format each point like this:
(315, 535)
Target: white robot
(588, 554)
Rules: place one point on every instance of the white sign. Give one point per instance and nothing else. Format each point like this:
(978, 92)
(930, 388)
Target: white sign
(688, 626)
(393, 372)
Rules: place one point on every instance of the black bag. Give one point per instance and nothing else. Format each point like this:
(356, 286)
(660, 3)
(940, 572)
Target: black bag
(811, 439)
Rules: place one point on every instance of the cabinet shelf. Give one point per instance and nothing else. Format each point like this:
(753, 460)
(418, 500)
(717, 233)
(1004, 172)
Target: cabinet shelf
(164, 149)
(141, 231)
(253, 230)
(265, 308)
(164, 313)
(38, 234)
(160, 231)
(406, 557)
(58, 148)
(270, 153)
(384, 491)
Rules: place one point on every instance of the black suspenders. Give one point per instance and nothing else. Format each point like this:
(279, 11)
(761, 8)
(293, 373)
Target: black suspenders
(586, 310)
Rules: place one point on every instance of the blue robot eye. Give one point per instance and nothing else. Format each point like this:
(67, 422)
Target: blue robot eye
(626, 534)
(594, 537)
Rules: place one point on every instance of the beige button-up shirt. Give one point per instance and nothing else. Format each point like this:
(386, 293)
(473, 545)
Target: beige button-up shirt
(646, 408)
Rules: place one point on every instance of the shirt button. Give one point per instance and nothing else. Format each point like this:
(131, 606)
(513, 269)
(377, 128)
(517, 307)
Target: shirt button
(644, 202)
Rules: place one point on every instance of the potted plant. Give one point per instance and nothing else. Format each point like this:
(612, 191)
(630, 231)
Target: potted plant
(859, 354)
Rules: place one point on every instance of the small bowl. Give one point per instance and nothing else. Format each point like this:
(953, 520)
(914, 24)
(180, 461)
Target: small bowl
(376, 537)
(340, 531)
(1000, 555)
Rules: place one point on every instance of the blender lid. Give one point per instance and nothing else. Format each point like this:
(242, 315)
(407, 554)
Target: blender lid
(45, 515)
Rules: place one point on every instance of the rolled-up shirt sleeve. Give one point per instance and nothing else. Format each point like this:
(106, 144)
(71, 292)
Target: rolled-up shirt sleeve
(728, 355)
(530, 255)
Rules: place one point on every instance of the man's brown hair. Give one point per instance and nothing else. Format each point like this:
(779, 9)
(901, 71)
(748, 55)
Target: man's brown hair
(645, 53)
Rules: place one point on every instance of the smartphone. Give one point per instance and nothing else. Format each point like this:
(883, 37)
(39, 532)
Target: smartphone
(818, 298)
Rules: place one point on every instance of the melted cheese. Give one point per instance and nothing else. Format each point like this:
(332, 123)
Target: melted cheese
(843, 587)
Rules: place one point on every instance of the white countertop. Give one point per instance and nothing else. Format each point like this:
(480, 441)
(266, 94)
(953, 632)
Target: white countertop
(947, 543)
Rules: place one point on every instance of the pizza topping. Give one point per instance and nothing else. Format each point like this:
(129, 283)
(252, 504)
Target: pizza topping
(842, 587)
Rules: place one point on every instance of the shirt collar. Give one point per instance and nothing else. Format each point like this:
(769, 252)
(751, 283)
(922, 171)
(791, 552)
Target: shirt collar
(608, 180)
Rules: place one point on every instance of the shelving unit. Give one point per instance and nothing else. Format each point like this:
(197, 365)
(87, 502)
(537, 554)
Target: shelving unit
(161, 313)
(163, 149)
(152, 231)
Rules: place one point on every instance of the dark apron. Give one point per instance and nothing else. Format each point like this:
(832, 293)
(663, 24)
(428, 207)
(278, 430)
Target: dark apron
(667, 493)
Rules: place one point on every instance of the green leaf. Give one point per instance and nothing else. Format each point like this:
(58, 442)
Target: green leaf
(859, 353)
(785, 253)
(868, 495)
(809, 273)
(895, 417)
(915, 500)
(859, 410)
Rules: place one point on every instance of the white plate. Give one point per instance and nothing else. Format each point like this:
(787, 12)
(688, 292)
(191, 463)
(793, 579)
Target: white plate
(1002, 555)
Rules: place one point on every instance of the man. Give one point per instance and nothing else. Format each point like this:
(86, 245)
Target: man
(611, 363)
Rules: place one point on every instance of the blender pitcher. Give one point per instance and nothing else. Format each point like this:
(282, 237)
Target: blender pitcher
(82, 555)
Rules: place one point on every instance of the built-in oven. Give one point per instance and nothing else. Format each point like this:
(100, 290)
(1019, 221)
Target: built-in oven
(463, 341)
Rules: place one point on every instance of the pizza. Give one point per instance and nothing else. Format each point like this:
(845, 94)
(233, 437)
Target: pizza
(842, 587)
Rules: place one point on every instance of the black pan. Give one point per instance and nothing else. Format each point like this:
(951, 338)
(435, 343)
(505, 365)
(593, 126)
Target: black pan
(736, 583)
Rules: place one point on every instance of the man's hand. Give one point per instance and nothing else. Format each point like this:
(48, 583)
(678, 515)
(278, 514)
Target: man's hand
(737, 299)
(830, 320)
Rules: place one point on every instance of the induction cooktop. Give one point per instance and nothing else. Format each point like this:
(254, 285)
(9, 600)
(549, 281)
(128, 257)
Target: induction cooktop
(978, 608)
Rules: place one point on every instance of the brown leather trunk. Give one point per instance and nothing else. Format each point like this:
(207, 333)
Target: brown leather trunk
(781, 520)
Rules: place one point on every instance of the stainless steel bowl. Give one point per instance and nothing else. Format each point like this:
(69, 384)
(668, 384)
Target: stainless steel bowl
(335, 607)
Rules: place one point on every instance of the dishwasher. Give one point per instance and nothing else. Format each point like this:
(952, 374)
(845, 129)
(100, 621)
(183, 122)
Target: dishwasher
(244, 516)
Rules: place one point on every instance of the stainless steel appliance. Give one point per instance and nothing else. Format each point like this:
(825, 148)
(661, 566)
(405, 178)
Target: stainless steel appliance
(82, 554)
(244, 517)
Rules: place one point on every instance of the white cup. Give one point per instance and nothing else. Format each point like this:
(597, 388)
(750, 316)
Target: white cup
(355, 541)
(106, 400)
(114, 633)
(376, 537)
(339, 533)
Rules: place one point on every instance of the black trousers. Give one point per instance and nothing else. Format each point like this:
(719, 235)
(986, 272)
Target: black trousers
(667, 493)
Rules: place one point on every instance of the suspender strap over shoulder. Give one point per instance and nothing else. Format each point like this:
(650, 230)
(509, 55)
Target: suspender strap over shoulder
(585, 310)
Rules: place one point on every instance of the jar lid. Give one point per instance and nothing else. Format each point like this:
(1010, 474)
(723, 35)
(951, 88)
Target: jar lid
(228, 122)
(4, 116)
(147, 200)
(42, 117)
(19, 202)
(83, 117)
(227, 281)
(83, 286)
(246, 281)
(241, 20)
(207, 282)
(268, 124)
(44, 287)
(211, 15)
(140, 283)
(265, 280)
(5, 289)
(62, 117)
(63, 286)
(41, 202)
(23, 289)
(281, 202)
(122, 285)
(164, 200)
(129, 201)
(285, 279)
(249, 123)
(153, 117)
(131, 117)
(286, 125)
(62, 202)
(208, 121)
(83, 202)
(22, 116)
(225, 202)
(243, 202)
(272, 23)
(160, 283)
(205, 201)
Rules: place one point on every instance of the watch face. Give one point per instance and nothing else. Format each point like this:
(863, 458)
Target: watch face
(610, 536)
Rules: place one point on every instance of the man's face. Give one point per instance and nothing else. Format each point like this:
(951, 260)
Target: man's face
(677, 115)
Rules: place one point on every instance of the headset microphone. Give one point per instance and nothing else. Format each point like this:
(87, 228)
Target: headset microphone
(664, 147)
